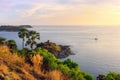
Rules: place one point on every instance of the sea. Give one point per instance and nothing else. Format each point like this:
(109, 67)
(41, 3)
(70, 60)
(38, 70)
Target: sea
(96, 48)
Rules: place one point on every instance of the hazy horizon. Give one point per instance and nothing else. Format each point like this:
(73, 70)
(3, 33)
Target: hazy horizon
(62, 25)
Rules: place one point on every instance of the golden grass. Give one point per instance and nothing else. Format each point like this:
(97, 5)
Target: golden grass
(37, 61)
(14, 67)
(4, 49)
(54, 75)
(3, 68)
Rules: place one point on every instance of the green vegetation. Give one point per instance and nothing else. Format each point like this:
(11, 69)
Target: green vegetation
(2, 40)
(32, 37)
(50, 46)
(50, 62)
(113, 76)
(109, 76)
(12, 45)
(40, 62)
(58, 51)
(23, 33)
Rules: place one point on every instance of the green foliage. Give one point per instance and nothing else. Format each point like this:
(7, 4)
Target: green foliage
(89, 77)
(113, 76)
(12, 45)
(70, 64)
(50, 46)
(23, 33)
(76, 75)
(2, 40)
(23, 52)
(64, 68)
(50, 62)
(32, 37)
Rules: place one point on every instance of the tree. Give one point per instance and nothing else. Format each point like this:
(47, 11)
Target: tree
(113, 76)
(12, 45)
(23, 33)
(2, 41)
(70, 64)
(32, 37)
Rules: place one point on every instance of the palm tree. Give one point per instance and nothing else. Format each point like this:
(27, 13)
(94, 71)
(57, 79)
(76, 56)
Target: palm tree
(33, 36)
(23, 33)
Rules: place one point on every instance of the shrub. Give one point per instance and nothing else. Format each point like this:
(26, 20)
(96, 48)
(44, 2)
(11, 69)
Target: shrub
(70, 64)
(12, 45)
(113, 76)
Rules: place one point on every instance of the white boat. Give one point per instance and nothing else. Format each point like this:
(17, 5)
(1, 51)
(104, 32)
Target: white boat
(95, 38)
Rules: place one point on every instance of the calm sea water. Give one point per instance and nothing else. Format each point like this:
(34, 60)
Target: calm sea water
(96, 57)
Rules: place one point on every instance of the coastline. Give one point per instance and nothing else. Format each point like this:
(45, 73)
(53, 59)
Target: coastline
(59, 51)
(12, 28)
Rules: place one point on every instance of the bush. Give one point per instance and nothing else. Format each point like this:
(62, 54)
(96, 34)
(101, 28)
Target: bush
(24, 52)
(50, 62)
(70, 64)
(12, 45)
(113, 76)
(89, 77)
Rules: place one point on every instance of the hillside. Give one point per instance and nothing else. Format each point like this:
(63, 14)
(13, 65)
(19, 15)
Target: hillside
(14, 67)
(39, 65)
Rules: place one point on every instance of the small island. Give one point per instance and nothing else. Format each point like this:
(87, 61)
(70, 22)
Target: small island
(13, 28)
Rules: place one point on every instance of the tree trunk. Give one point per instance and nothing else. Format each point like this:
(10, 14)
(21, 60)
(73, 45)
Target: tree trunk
(23, 43)
(31, 46)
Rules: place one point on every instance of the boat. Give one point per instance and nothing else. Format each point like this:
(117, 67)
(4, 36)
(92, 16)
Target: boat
(95, 38)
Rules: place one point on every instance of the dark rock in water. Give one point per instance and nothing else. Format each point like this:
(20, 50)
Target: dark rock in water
(59, 51)
(13, 28)
(65, 52)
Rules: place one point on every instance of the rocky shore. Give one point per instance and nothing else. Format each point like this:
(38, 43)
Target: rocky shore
(60, 51)
(65, 52)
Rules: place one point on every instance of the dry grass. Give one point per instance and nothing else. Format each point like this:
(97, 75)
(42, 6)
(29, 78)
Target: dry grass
(14, 67)
(4, 49)
(54, 75)
(37, 61)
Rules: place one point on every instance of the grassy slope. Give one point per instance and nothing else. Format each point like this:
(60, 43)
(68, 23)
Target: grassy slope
(14, 67)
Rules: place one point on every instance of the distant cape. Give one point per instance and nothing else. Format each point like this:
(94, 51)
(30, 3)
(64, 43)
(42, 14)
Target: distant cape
(12, 28)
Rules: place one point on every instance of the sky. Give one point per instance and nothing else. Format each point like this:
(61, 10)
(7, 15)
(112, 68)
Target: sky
(60, 12)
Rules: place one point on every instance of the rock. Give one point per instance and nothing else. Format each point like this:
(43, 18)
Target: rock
(65, 52)
(59, 51)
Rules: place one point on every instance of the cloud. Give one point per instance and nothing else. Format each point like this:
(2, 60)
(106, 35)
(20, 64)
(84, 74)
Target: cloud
(43, 9)
(55, 11)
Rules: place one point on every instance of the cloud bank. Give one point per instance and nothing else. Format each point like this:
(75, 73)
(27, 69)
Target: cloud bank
(60, 12)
